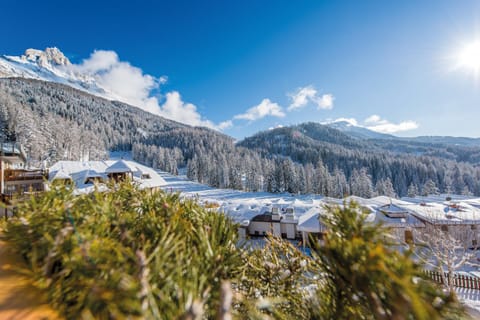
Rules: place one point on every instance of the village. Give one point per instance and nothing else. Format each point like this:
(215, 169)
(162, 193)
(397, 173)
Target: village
(257, 213)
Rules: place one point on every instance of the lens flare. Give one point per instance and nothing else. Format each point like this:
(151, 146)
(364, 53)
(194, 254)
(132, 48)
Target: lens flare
(469, 57)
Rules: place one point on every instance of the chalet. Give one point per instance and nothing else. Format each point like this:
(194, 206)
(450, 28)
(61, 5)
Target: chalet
(390, 213)
(459, 219)
(16, 180)
(88, 175)
(310, 225)
(279, 224)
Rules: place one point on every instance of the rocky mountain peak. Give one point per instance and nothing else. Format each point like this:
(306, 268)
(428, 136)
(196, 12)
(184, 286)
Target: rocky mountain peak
(51, 56)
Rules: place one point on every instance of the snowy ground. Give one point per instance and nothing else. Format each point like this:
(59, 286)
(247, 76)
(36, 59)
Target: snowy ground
(245, 205)
(238, 204)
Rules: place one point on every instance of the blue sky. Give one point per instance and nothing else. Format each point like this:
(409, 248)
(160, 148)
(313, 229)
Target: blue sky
(388, 65)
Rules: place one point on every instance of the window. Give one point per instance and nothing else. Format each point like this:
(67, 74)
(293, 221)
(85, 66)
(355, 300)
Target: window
(473, 227)
(408, 236)
(444, 228)
(474, 242)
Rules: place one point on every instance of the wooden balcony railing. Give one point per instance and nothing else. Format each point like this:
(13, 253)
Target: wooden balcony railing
(24, 175)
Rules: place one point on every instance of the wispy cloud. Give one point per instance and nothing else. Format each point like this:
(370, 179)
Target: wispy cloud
(305, 95)
(265, 108)
(378, 124)
(129, 84)
(351, 121)
(225, 125)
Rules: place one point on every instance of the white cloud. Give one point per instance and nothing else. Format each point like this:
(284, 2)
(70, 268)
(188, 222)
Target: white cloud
(388, 127)
(351, 121)
(265, 108)
(376, 123)
(99, 60)
(174, 108)
(225, 125)
(375, 119)
(309, 94)
(276, 127)
(325, 101)
(129, 84)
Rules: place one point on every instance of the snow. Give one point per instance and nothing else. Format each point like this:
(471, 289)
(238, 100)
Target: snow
(52, 66)
(240, 205)
(309, 222)
(121, 166)
(446, 212)
(243, 206)
(80, 171)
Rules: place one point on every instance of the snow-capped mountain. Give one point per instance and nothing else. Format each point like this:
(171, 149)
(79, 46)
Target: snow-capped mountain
(51, 65)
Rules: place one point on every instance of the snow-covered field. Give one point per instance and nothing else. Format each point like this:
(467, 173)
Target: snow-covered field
(238, 204)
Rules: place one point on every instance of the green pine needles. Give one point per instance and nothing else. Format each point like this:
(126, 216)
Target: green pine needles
(138, 254)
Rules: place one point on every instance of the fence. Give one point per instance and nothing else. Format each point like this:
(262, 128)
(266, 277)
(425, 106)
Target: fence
(458, 280)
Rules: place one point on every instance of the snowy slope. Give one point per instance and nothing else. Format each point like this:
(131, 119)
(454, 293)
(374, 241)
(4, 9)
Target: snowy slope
(51, 65)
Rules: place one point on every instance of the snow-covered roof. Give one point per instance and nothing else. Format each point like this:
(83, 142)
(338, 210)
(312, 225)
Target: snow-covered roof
(309, 222)
(448, 212)
(121, 166)
(81, 171)
(60, 175)
(403, 222)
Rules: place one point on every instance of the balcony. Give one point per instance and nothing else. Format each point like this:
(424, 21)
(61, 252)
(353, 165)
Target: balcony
(24, 175)
(11, 149)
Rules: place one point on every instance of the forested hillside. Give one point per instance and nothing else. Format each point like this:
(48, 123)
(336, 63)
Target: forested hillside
(56, 122)
(373, 165)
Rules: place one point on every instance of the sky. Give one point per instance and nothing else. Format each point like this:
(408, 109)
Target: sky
(404, 67)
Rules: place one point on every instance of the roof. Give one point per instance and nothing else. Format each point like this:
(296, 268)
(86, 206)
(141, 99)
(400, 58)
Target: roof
(448, 212)
(60, 175)
(266, 217)
(310, 221)
(80, 171)
(121, 166)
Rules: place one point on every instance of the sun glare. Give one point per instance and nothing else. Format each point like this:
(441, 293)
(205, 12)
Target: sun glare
(469, 57)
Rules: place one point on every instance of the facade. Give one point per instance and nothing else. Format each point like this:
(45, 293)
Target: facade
(16, 180)
(279, 224)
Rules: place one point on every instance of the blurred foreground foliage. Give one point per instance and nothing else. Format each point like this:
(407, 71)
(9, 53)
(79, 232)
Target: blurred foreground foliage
(138, 254)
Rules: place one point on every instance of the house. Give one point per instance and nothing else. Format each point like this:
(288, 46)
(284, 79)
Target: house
(459, 219)
(400, 221)
(387, 212)
(279, 224)
(310, 225)
(16, 180)
(88, 175)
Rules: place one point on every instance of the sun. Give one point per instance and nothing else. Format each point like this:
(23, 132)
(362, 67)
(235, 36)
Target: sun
(468, 57)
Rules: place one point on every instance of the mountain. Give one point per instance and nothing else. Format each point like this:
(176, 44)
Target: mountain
(51, 65)
(55, 121)
(360, 132)
(304, 140)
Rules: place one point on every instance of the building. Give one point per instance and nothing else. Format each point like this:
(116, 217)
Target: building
(88, 175)
(310, 226)
(279, 224)
(16, 180)
(458, 219)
